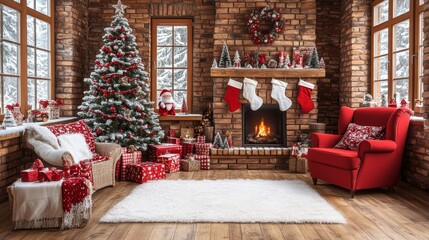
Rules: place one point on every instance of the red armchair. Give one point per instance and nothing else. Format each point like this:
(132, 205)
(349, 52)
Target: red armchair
(376, 163)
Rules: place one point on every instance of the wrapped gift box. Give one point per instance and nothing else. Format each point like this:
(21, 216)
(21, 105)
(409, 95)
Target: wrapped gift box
(204, 161)
(155, 150)
(29, 175)
(174, 140)
(201, 139)
(145, 171)
(127, 158)
(171, 162)
(187, 149)
(45, 175)
(57, 174)
(189, 165)
(203, 148)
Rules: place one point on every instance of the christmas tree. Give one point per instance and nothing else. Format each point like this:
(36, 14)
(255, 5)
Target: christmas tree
(225, 143)
(8, 120)
(214, 64)
(287, 63)
(218, 141)
(184, 107)
(322, 63)
(313, 61)
(117, 106)
(237, 60)
(225, 59)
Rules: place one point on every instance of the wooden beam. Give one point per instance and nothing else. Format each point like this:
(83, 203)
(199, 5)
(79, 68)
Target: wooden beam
(191, 117)
(268, 73)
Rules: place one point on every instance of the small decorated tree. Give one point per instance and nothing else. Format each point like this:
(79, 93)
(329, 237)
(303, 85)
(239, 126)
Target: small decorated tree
(226, 143)
(314, 59)
(117, 106)
(218, 141)
(322, 63)
(287, 63)
(225, 59)
(9, 120)
(184, 107)
(237, 60)
(214, 64)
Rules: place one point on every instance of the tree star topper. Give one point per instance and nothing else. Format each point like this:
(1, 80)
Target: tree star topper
(119, 8)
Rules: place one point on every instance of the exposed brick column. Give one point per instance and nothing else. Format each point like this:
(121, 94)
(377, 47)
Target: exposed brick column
(71, 51)
(355, 51)
(426, 62)
(328, 46)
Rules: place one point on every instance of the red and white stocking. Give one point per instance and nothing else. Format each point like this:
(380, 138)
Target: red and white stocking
(304, 96)
(231, 95)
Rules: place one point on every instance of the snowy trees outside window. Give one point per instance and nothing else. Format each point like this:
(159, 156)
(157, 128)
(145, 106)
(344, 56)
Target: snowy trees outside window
(172, 70)
(37, 53)
(392, 62)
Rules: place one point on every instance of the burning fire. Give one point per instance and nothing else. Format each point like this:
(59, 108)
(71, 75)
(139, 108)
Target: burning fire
(262, 130)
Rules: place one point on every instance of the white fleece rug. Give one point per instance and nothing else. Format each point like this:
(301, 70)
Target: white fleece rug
(239, 201)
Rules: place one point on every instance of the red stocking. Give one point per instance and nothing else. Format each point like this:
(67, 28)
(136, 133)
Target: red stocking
(231, 95)
(304, 96)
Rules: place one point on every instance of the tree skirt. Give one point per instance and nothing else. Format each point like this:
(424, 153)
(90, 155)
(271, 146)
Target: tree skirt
(239, 201)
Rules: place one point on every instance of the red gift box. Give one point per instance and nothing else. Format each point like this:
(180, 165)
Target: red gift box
(174, 140)
(45, 175)
(187, 149)
(155, 150)
(203, 148)
(29, 175)
(126, 158)
(201, 139)
(57, 174)
(204, 161)
(171, 162)
(145, 171)
(171, 133)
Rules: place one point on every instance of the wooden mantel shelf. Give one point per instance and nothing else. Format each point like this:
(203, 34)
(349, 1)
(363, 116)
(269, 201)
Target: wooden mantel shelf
(268, 73)
(181, 117)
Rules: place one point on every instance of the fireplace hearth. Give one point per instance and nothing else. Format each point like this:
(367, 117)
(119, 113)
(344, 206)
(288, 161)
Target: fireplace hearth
(264, 127)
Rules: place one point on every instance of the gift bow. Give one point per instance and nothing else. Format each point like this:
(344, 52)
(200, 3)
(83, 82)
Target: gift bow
(38, 165)
(11, 106)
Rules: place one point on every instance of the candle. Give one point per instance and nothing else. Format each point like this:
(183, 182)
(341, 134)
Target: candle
(281, 54)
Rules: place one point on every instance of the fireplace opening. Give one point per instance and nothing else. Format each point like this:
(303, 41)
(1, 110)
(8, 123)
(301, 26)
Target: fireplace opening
(264, 127)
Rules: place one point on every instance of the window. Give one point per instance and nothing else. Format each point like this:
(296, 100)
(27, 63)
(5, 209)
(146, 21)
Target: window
(172, 59)
(26, 40)
(397, 49)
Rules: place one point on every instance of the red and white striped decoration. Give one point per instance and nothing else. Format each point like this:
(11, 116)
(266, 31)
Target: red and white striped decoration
(203, 148)
(201, 139)
(204, 161)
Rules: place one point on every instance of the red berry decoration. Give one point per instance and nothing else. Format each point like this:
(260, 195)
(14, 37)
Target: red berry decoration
(112, 109)
(105, 95)
(269, 15)
(122, 30)
(110, 36)
(130, 136)
(138, 108)
(99, 131)
(119, 54)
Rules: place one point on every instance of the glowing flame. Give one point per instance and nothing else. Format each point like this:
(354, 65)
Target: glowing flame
(262, 130)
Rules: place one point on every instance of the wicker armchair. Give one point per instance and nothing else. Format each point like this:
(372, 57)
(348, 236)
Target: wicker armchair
(103, 170)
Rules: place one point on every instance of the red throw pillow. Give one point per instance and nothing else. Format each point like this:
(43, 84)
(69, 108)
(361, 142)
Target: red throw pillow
(75, 127)
(355, 134)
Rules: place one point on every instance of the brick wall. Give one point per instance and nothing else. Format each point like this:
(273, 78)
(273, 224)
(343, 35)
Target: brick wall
(355, 51)
(71, 52)
(230, 27)
(328, 46)
(139, 14)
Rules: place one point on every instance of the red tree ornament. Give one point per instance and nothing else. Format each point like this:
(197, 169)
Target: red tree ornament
(99, 131)
(112, 109)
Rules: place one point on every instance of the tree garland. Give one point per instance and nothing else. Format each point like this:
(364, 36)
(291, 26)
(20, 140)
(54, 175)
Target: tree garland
(265, 14)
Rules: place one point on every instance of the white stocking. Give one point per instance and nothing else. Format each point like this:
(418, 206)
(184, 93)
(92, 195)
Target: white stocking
(249, 92)
(278, 93)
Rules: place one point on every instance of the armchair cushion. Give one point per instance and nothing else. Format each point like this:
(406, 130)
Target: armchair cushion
(75, 127)
(339, 158)
(76, 145)
(355, 134)
(376, 146)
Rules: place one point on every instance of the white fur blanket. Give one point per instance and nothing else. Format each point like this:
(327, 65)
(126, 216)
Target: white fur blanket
(45, 144)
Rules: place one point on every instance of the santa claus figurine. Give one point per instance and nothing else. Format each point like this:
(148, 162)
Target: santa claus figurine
(167, 105)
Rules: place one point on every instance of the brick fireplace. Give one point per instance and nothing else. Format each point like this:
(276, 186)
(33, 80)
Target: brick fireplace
(243, 156)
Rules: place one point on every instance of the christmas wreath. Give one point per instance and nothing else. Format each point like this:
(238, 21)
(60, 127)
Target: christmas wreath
(265, 14)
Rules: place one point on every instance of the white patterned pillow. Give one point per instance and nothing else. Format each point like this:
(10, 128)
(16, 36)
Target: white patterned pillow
(355, 134)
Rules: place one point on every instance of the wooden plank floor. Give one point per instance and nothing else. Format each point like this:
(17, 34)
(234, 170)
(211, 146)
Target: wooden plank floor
(372, 214)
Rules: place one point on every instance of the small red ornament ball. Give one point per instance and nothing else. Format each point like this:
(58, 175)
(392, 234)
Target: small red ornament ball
(110, 36)
(271, 40)
(99, 131)
(122, 30)
(138, 108)
(121, 130)
(108, 81)
(112, 109)
(119, 54)
(105, 95)
(130, 136)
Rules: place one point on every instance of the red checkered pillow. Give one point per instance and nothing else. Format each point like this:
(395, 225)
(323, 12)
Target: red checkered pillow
(355, 134)
(75, 127)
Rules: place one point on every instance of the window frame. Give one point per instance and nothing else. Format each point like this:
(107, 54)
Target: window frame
(171, 22)
(413, 16)
(25, 11)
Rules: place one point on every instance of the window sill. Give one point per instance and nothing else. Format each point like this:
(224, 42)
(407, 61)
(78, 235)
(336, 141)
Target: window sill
(181, 117)
(13, 132)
